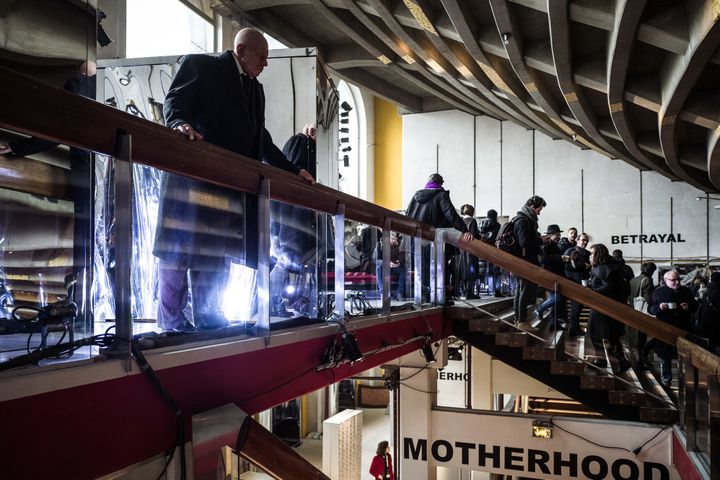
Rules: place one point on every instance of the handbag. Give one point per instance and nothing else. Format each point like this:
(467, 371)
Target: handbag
(640, 303)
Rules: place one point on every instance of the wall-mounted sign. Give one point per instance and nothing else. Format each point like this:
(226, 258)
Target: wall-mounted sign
(647, 238)
(505, 444)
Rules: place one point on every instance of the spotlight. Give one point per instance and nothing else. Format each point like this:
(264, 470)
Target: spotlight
(347, 149)
(350, 348)
(428, 353)
(346, 106)
(506, 38)
(344, 140)
(102, 36)
(344, 114)
(574, 137)
(346, 161)
(344, 121)
(345, 130)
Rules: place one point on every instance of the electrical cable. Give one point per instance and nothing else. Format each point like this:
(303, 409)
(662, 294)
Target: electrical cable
(418, 390)
(634, 451)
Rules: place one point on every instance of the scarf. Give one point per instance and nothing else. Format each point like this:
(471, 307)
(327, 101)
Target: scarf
(433, 186)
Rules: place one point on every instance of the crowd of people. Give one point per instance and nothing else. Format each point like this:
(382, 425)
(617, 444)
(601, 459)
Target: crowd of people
(593, 267)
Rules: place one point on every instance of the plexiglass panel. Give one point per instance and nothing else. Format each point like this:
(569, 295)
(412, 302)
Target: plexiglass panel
(362, 256)
(45, 242)
(299, 287)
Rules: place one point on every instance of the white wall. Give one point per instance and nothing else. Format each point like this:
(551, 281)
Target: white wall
(582, 188)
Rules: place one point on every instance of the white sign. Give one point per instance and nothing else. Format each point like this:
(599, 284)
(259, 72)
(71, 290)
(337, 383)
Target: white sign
(504, 444)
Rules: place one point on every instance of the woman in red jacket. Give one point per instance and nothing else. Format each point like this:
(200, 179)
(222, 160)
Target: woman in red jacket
(381, 467)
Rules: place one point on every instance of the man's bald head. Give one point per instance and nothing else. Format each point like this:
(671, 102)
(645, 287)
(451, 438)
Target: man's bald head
(88, 68)
(251, 50)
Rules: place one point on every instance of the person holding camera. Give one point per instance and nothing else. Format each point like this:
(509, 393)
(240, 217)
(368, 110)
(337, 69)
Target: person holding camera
(381, 467)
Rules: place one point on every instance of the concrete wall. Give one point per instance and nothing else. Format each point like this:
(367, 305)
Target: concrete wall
(499, 165)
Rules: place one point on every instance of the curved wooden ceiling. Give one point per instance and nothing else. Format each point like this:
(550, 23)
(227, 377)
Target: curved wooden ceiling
(635, 80)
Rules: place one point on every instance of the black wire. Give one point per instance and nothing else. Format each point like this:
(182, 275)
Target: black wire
(635, 451)
(171, 454)
(427, 364)
(417, 389)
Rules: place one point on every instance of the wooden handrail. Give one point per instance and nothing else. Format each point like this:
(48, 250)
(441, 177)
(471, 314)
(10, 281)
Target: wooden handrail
(701, 358)
(83, 123)
(607, 306)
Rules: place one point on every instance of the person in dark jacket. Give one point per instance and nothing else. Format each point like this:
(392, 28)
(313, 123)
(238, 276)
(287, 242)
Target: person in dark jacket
(608, 279)
(470, 268)
(709, 314)
(552, 260)
(640, 287)
(578, 270)
(626, 269)
(432, 205)
(674, 304)
(489, 229)
(397, 265)
(218, 100)
(570, 241)
(525, 226)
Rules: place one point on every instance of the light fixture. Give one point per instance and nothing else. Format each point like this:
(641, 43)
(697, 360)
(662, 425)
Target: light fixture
(344, 121)
(506, 38)
(574, 137)
(344, 114)
(344, 140)
(427, 352)
(346, 161)
(542, 429)
(347, 149)
(346, 106)
(350, 348)
(455, 353)
(384, 59)
(344, 130)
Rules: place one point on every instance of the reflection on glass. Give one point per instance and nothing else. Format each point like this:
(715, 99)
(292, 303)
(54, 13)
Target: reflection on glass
(362, 295)
(295, 254)
(44, 248)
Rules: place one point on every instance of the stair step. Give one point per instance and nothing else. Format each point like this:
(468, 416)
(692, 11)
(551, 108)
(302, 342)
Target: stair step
(551, 348)
(594, 378)
(489, 324)
(512, 337)
(653, 410)
(566, 364)
(630, 393)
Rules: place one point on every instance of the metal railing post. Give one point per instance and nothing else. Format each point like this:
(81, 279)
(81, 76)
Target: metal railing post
(339, 309)
(440, 266)
(418, 262)
(688, 384)
(386, 266)
(263, 267)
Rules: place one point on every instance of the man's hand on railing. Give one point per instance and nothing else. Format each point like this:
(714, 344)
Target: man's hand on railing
(187, 130)
(305, 175)
(466, 237)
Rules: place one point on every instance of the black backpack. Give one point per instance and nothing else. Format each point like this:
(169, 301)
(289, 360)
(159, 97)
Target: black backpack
(506, 239)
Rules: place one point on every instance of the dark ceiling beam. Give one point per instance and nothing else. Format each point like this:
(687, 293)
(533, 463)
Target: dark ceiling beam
(627, 18)
(465, 27)
(402, 51)
(533, 84)
(441, 69)
(678, 76)
(273, 25)
(561, 49)
(380, 88)
(596, 16)
(458, 57)
(250, 5)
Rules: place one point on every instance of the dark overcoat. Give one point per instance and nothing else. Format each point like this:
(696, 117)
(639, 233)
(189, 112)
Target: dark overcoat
(201, 226)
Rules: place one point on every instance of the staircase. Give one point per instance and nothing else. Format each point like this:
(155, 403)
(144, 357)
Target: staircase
(564, 363)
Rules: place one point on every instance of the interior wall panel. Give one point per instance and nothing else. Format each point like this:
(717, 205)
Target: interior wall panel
(612, 198)
(487, 164)
(517, 167)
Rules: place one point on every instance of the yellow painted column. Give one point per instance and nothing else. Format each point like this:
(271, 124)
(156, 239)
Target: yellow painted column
(388, 155)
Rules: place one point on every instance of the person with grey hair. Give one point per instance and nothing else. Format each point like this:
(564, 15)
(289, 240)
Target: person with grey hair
(216, 99)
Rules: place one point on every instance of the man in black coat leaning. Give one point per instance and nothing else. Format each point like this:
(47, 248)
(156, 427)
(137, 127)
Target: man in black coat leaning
(709, 314)
(432, 205)
(674, 304)
(525, 227)
(201, 227)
